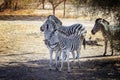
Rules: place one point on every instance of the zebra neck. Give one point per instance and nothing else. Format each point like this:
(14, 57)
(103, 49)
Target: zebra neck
(106, 31)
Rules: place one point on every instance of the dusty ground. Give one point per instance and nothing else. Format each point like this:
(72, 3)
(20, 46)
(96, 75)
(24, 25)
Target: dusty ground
(24, 56)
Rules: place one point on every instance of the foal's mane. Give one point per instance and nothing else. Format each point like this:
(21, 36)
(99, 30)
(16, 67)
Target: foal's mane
(103, 20)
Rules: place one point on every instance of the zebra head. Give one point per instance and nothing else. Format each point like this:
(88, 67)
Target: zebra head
(99, 24)
(51, 19)
(49, 27)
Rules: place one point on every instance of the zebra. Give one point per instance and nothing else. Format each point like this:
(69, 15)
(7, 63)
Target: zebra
(68, 38)
(70, 43)
(108, 32)
(53, 44)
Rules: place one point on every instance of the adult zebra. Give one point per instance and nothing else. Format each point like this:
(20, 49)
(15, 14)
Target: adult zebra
(68, 38)
(108, 31)
(52, 45)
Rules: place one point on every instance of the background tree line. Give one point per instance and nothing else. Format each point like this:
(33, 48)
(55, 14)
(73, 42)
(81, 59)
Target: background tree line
(20, 4)
(105, 6)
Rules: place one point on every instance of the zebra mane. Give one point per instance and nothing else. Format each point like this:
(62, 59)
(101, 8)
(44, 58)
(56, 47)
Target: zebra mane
(70, 31)
(54, 19)
(98, 19)
(103, 20)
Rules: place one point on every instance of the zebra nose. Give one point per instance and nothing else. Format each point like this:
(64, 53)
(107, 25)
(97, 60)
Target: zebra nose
(92, 32)
(41, 29)
(46, 41)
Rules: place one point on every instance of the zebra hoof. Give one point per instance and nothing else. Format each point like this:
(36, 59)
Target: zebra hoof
(60, 70)
(50, 69)
(69, 71)
(71, 67)
(104, 55)
(56, 69)
(76, 58)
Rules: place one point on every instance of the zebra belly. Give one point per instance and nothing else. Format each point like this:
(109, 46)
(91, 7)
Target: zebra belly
(71, 44)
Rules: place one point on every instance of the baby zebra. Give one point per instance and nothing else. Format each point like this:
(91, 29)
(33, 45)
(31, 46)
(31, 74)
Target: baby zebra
(68, 38)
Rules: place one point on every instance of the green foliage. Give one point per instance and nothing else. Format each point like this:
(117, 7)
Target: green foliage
(105, 3)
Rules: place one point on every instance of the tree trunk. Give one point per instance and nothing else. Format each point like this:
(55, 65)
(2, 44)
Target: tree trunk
(7, 3)
(64, 8)
(15, 7)
(43, 4)
(53, 10)
(55, 3)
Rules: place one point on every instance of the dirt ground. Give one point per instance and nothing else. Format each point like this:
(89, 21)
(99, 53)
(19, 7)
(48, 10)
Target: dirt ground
(24, 56)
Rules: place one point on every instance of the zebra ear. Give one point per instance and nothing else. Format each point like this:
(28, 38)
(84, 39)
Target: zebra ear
(106, 21)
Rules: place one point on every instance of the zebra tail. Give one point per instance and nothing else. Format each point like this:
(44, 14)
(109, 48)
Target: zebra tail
(84, 43)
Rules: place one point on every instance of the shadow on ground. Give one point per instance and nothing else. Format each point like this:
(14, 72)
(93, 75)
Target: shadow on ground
(97, 69)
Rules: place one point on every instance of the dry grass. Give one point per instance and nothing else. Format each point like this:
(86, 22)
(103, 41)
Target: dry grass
(18, 12)
(45, 13)
(14, 33)
(25, 36)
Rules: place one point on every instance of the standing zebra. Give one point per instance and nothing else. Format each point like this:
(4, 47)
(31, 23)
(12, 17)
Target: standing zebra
(52, 45)
(68, 38)
(108, 31)
(71, 41)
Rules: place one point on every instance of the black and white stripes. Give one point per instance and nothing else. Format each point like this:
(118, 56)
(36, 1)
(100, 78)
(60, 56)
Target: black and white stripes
(66, 38)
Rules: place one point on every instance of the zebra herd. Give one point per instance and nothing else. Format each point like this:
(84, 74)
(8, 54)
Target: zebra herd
(62, 40)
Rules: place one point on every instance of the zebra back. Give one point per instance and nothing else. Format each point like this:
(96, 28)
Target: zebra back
(70, 31)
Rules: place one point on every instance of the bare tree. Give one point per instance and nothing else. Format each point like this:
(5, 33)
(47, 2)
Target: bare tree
(64, 8)
(6, 4)
(55, 3)
(43, 3)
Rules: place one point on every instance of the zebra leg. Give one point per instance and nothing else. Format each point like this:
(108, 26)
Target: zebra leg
(62, 61)
(73, 54)
(78, 57)
(57, 57)
(111, 45)
(105, 51)
(51, 53)
(67, 53)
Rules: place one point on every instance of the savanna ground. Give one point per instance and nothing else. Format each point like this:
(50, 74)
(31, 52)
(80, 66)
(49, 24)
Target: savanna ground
(24, 56)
